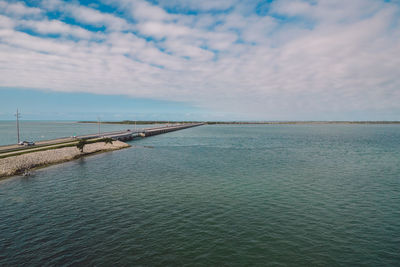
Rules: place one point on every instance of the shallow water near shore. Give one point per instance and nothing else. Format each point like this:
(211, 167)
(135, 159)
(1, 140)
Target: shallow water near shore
(295, 195)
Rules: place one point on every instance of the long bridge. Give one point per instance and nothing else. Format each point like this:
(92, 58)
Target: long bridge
(116, 135)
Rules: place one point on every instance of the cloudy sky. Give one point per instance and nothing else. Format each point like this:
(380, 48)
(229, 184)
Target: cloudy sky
(208, 59)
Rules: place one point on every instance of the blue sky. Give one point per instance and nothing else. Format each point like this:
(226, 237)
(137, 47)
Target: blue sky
(47, 105)
(200, 60)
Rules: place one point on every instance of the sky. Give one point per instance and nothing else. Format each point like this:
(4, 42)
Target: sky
(200, 60)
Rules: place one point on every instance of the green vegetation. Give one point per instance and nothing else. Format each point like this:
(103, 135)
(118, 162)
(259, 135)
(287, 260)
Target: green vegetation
(57, 146)
(81, 144)
(107, 140)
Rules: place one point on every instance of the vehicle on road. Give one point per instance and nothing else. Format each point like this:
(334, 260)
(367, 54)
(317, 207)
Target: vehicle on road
(26, 143)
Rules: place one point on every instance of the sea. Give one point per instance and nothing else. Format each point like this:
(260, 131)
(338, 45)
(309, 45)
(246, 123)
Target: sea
(213, 195)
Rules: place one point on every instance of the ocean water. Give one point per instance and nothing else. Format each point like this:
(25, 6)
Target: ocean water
(254, 195)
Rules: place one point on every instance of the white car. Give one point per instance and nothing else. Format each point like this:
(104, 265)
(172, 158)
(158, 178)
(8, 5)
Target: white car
(26, 143)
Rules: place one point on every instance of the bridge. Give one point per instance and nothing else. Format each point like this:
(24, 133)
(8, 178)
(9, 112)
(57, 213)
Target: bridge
(129, 134)
(115, 135)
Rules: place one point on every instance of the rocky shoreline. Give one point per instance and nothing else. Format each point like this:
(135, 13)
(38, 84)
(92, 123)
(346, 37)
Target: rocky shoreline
(19, 164)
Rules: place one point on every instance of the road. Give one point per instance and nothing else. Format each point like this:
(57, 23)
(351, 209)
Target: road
(39, 144)
(11, 149)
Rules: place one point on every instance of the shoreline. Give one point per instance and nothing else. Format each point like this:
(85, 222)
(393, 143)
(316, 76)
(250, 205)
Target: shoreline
(243, 122)
(16, 165)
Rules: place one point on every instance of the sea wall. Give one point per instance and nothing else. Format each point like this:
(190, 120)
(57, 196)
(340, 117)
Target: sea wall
(18, 164)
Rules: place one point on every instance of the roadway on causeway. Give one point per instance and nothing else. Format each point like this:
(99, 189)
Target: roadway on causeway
(16, 147)
(45, 143)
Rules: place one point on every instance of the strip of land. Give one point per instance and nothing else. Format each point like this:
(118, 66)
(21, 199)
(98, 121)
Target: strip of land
(16, 159)
(245, 122)
(19, 164)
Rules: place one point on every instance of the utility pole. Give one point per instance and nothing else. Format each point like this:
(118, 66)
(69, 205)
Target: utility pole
(98, 121)
(18, 116)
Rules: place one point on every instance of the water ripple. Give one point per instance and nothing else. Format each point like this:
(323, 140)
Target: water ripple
(211, 195)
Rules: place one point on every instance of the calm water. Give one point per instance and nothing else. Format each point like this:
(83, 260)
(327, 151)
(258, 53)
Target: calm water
(295, 195)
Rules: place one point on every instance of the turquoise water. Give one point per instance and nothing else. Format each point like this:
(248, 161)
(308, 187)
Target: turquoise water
(45, 130)
(290, 195)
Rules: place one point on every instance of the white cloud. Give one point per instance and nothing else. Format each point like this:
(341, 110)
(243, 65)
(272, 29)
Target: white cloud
(94, 17)
(160, 30)
(328, 11)
(58, 27)
(204, 5)
(142, 10)
(19, 9)
(87, 15)
(23, 40)
(313, 59)
(6, 22)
